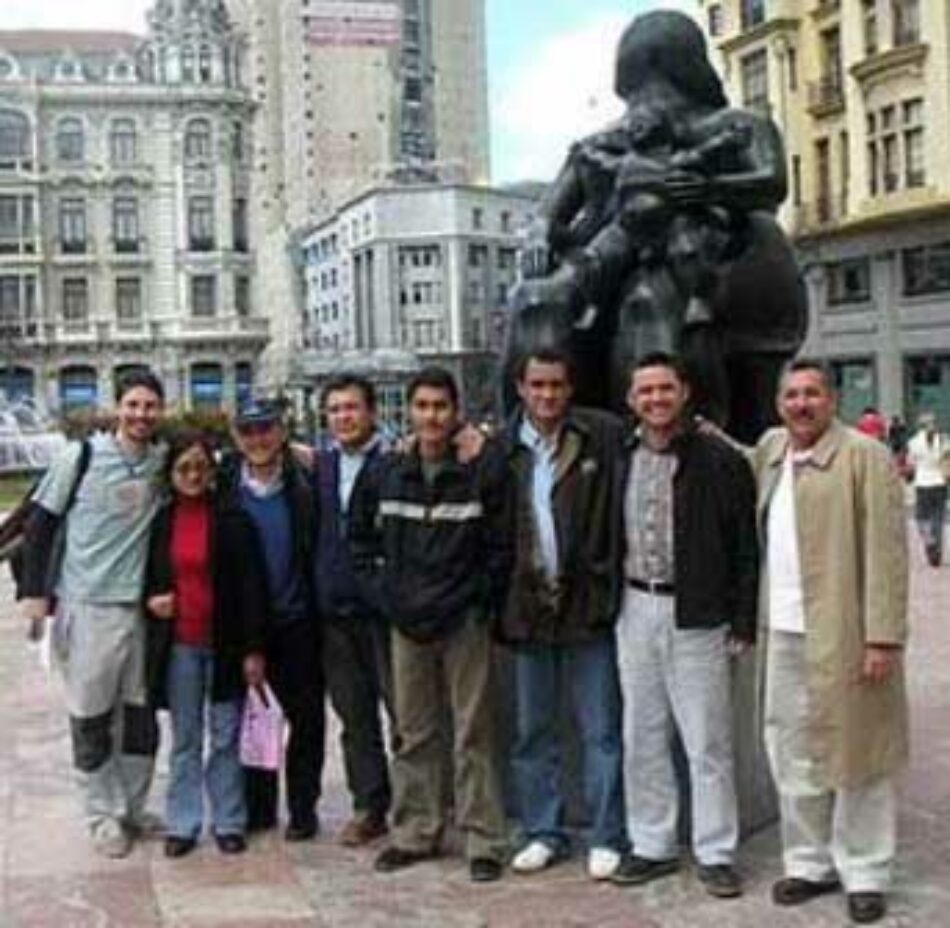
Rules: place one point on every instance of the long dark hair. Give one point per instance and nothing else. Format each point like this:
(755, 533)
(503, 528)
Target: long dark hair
(672, 45)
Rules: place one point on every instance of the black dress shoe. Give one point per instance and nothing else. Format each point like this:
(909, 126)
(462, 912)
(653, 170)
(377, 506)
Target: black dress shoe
(865, 908)
(794, 891)
(485, 869)
(720, 880)
(178, 847)
(231, 844)
(635, 870)
(397, 858)
(301, 831)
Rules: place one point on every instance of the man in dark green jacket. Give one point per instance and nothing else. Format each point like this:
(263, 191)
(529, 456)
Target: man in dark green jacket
(561, 608)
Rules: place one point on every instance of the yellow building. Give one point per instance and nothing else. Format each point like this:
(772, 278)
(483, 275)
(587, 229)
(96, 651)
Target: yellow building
(861, 92)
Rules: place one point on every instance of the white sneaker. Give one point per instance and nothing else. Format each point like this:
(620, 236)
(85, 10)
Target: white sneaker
(110, 839)
(533, 857)
(602, 863)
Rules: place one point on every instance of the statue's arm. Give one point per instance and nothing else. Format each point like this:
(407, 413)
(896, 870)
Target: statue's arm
(765, 184)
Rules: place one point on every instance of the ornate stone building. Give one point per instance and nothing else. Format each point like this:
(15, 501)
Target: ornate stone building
(125, 189)
(861, 91)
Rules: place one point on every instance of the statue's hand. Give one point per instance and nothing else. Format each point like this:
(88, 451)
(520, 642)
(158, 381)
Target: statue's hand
(686, 189)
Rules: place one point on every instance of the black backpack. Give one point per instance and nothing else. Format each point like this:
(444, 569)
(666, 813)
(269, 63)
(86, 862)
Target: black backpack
(13, 527)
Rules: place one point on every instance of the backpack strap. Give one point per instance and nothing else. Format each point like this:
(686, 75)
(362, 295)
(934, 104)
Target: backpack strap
(82, 466)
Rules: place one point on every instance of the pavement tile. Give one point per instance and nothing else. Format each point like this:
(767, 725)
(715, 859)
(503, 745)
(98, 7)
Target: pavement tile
(119, 899)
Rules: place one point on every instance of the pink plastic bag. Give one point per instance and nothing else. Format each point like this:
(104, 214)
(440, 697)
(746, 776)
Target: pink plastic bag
(262, 729)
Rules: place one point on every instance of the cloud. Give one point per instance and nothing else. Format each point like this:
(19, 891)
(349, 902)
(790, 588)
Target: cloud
(89, 14)
(562, 91)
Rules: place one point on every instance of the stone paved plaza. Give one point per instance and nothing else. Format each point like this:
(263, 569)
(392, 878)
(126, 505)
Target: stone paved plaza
(51, 877)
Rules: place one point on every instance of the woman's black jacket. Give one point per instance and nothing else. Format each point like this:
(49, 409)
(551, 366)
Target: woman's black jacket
(240, 617)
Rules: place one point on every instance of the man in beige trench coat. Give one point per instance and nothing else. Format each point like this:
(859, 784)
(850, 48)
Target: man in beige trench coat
(834, 597)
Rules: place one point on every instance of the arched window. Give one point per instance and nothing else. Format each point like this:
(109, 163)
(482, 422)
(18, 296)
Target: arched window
(198, 140)
(15, 138)
(123, 142)
(70, 140)
(78, 388)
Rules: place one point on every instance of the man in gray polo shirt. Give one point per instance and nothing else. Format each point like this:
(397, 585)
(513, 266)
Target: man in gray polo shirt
(99, 631)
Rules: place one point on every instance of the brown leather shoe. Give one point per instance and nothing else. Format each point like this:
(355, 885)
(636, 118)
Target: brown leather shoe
(362, 829)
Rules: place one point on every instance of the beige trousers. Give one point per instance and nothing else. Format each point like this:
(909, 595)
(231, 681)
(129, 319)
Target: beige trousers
(825, 831)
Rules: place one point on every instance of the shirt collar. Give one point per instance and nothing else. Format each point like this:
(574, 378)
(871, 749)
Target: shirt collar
(258, 488)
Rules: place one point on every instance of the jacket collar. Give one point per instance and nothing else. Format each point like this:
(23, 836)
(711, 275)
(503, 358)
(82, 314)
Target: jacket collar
(822, 452)
(571, 424)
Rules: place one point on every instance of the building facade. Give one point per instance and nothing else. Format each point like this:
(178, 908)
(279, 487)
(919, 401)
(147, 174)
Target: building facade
(352, 94)
(861, 91)
(403, 276)
(125, 190)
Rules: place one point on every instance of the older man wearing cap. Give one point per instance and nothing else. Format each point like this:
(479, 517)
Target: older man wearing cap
(267, 481)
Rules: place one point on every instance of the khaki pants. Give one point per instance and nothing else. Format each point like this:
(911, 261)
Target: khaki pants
(456, 669)
(851, 831)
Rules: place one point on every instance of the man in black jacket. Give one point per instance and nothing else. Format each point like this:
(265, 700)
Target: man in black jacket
(690, 568)
(429, 539)
(277, 493)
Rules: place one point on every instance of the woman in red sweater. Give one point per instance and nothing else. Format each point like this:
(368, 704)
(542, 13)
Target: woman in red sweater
(207, 609)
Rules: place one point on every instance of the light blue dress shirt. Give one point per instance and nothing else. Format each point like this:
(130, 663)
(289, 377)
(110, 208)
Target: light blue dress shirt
(544, 453)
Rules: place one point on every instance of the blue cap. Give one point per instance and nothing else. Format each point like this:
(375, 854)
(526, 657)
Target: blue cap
(259, 412)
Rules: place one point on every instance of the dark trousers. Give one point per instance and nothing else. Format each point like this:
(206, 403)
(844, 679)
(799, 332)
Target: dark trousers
(294, 674)
(930, 505)
(358, 672)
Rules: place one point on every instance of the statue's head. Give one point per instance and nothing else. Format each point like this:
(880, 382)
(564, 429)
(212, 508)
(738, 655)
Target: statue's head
(670, 45)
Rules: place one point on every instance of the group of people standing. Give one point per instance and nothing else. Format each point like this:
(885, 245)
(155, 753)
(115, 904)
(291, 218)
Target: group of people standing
(624, 565)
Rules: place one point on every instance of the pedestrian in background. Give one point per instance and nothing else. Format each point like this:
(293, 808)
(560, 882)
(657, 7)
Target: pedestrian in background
(207, 611)
(928, 455)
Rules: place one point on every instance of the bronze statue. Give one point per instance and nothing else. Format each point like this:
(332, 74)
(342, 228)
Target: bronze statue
(659, 233)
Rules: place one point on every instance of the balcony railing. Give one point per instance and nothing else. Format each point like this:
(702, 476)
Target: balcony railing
(826, 95)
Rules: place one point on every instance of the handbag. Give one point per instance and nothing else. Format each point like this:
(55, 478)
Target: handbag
(262, 729)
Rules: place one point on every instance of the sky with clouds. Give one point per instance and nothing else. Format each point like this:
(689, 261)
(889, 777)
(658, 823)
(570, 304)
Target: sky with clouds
(550, 66)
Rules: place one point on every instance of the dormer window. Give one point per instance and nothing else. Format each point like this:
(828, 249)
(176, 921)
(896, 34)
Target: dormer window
(69, 70)
(122, 71)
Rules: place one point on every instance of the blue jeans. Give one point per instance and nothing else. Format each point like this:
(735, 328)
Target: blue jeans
(189, 690)
(590, 672)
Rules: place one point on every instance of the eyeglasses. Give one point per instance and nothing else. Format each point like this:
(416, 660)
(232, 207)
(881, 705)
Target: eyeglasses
(200, 468)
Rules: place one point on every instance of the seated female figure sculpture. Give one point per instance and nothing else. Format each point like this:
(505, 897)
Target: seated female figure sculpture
(659, 233)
